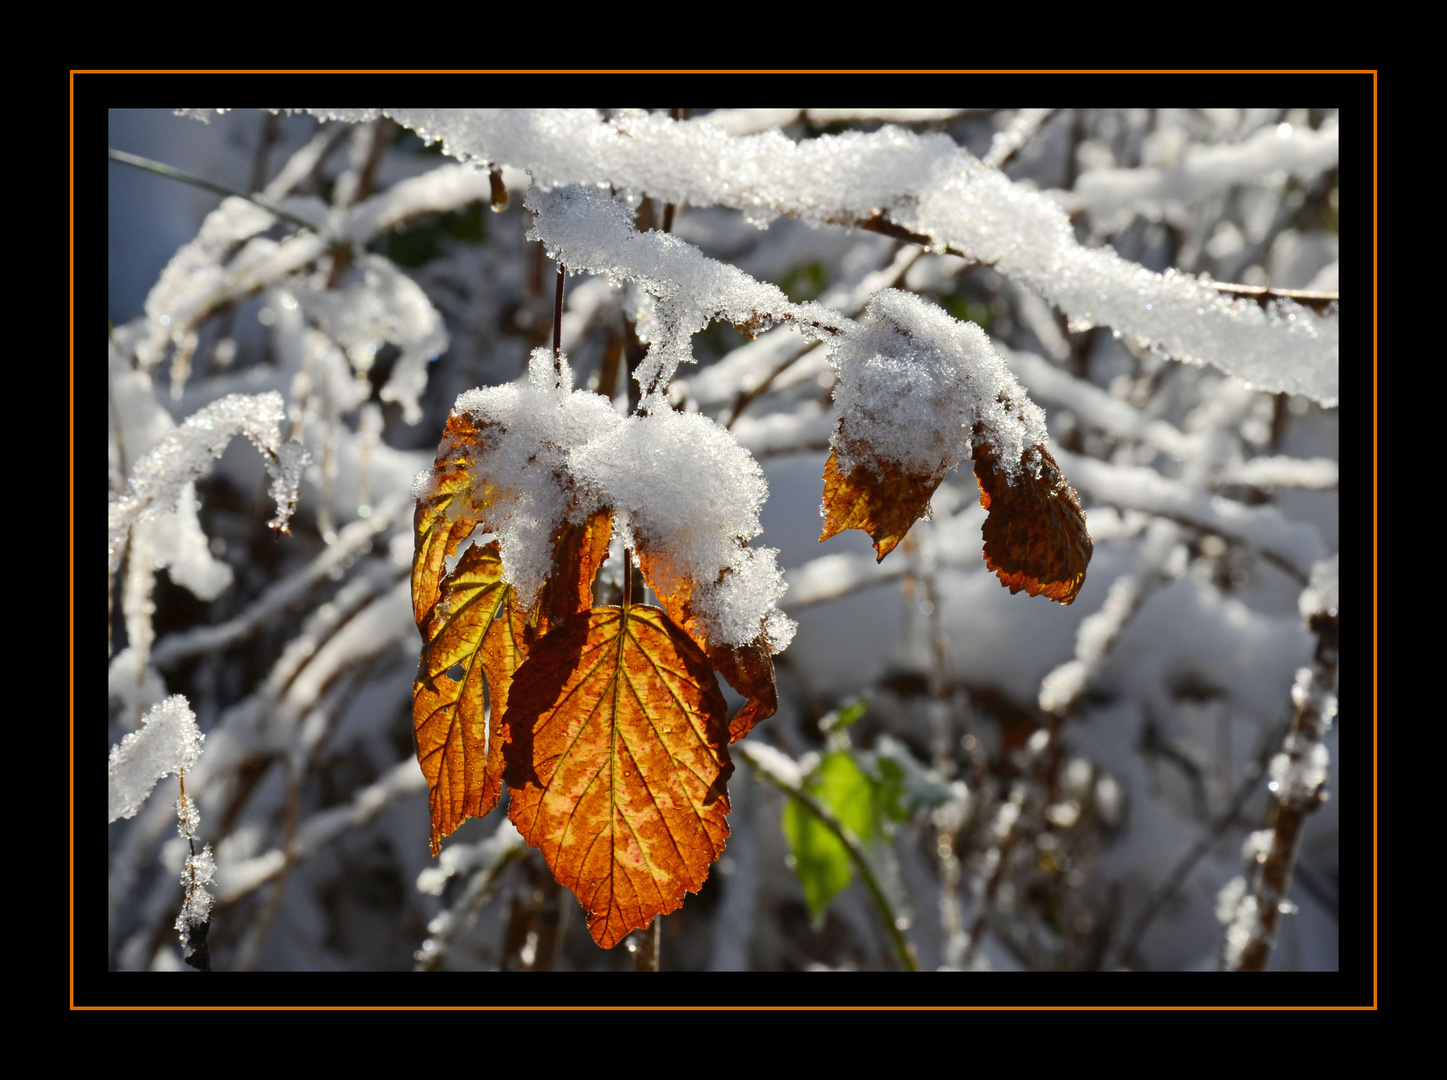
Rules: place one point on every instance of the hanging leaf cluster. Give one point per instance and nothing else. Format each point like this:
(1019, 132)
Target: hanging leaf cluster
(909, 376)
(605, 722)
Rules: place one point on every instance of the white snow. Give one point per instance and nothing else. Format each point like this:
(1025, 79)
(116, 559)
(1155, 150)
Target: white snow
(913, 385)
(167, 742)
(926, 184)
(159, 479)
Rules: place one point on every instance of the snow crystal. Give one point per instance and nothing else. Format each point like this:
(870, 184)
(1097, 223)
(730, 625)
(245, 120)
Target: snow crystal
(167, 742)
(915, 384)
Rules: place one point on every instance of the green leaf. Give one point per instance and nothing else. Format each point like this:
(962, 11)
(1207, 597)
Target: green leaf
(821, 861)
(849, 714)
(891, 792)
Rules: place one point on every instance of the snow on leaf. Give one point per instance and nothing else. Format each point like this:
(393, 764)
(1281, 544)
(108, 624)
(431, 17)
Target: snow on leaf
(1035, 534)
(748, 668)
(617, 759)
(474, 626)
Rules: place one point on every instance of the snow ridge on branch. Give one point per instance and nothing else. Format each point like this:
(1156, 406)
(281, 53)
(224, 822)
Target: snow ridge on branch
(926, 187)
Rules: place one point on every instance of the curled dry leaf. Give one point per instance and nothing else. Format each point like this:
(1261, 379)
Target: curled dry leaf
(618, 762)
(579, 549)
(749, 669)
(474, 627)
(1035, 534)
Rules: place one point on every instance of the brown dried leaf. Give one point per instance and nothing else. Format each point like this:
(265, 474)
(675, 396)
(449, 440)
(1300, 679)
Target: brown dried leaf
(749, 669)
(618, 762)
(883, 504)
(1035, 534)
(476, 626)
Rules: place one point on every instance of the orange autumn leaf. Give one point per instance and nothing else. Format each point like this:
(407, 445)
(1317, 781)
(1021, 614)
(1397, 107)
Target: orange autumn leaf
(1035, 534)
(877, 497)
(439, 525)
(579, 549)
(476, 630)
(618, 762)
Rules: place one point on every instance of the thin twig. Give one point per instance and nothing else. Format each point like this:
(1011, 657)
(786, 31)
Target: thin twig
(558, 323)
(903, 949)
(184, 177)
(1182, 870)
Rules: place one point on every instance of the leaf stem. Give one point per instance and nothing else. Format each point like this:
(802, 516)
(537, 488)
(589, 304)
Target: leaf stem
(558, 324)
(627, 579)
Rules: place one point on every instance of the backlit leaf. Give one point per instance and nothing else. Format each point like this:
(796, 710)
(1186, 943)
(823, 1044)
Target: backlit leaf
(883, 504)
(445, 515)
(821, 861)
(578, 551)
(476, 629)
(1035, 534)
(617, 759)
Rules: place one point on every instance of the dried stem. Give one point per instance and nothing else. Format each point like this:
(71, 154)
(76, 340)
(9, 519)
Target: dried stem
(1296, 798)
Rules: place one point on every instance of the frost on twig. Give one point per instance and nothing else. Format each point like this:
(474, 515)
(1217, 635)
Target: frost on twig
(158, 479)
(920, 186)
(167, 742)
(1298, 777)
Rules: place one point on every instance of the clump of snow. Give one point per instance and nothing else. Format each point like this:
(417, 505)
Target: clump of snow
(683, 489)
(167, 742)
(679, 486)
(915, 387)
(584, 228)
